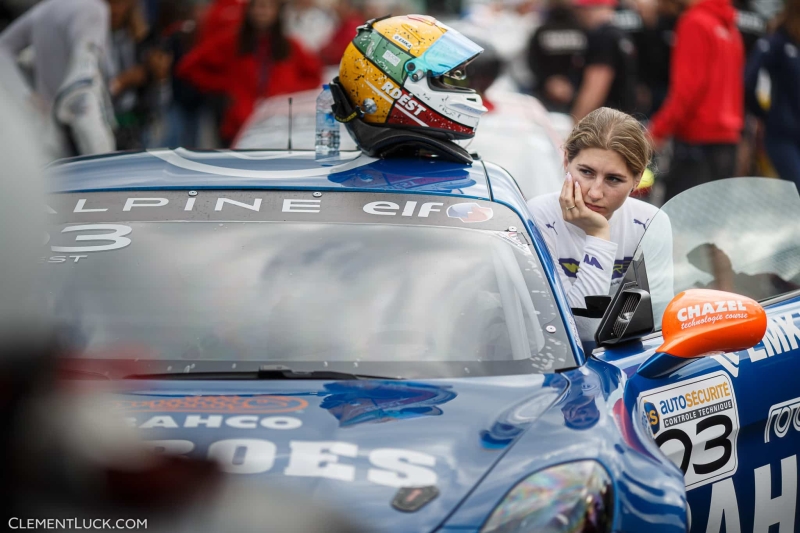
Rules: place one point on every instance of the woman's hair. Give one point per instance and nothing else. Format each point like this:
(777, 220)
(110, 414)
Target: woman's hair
(248, 35)
(609, 129)
(789, 19)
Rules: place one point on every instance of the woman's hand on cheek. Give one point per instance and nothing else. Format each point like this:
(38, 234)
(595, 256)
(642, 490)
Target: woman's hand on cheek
(574, 211)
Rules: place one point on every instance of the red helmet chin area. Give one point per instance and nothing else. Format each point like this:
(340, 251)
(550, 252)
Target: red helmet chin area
(407, 111)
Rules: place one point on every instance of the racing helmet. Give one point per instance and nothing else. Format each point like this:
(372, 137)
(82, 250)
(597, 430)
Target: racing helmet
(395, 73)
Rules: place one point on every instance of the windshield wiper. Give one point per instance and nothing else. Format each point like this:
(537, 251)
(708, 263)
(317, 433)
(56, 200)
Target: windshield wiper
(267, 372)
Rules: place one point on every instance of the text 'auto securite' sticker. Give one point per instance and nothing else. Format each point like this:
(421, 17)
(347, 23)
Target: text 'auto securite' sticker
(696, 424)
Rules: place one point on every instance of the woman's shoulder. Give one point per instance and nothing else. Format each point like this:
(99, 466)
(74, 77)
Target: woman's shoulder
(545, 203)
(635, 215)
(638, 207)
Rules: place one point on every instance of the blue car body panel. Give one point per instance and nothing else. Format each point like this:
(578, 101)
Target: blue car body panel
(182, 169)
(446, 420)
(585, 424)
(506, 191)
(477, 436)
(759, 493)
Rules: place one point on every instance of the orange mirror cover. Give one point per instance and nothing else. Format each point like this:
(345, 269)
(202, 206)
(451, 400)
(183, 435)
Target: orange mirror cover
(699, 321)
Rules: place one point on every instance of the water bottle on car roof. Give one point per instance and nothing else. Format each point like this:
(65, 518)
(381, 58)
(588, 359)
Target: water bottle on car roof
(327, 137)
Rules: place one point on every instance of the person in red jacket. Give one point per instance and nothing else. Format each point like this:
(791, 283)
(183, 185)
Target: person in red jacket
(256, 61)
(349, 18)
(704, 108)
(220, 17)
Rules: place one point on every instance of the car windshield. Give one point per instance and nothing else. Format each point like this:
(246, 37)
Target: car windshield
(388, 299)
(738, 235)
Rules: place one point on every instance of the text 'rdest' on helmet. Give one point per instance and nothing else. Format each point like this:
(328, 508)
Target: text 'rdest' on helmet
(401, 73)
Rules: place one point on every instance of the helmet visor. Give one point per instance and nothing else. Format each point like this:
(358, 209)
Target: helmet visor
(450, 51)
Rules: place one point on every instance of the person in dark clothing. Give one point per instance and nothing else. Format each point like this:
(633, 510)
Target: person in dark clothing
(654, 42)
(556, 56)
(778, 55)
(177, 104)
(704, 108)
(609, 78)
(751, 24)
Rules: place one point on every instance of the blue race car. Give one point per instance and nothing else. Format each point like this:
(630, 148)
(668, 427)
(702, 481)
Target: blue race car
(391, 336)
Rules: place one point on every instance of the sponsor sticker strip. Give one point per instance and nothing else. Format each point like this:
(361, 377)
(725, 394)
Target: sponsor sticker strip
(246, 206)
(696, 424)
(781, 418)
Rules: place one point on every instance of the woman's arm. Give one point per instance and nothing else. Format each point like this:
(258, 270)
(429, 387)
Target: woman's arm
(597, 81)
(598, 75)
(585, 271)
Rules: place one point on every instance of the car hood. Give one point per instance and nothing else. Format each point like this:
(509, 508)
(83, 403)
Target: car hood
(352, 444)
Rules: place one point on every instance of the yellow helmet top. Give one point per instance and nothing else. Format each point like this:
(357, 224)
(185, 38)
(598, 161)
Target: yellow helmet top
(394, 72)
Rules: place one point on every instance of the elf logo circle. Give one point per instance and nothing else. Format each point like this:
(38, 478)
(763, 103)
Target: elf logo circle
(470, 212)
(403, 99)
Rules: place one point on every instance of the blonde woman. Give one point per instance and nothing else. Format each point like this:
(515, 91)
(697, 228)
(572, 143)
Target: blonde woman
(592, 227)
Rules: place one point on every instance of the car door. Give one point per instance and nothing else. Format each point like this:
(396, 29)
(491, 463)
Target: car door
(731, 421)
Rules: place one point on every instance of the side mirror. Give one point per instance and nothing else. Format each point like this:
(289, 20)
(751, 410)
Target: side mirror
(629, 315)
(595, 306)
(700, 322)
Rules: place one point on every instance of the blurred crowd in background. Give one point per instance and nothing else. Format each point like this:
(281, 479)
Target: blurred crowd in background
(132, 74)
(190, 72)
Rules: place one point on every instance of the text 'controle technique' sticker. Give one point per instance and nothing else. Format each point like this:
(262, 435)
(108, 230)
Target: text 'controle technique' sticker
(696, 424)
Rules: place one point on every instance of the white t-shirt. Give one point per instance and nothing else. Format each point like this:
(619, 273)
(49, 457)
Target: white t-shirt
(590, 266)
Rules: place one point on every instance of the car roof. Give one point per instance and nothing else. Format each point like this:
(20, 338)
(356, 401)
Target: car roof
(224, 169)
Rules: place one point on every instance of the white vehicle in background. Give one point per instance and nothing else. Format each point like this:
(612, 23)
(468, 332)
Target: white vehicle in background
(521, 136)
(518, 134)
(268, 126)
